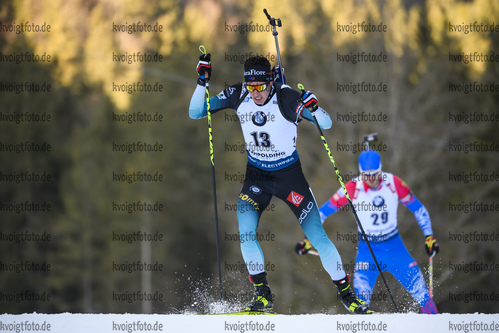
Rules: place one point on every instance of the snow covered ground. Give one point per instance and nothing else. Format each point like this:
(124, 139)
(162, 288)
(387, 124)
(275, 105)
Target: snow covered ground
(97, 323)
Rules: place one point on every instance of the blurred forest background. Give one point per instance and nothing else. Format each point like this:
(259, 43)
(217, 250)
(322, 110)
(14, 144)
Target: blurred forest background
(419, 132)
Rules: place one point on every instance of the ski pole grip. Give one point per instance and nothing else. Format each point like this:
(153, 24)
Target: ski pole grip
(371, 137)
(202, 49)
(272, 21)
(267, 13)
(302, 88)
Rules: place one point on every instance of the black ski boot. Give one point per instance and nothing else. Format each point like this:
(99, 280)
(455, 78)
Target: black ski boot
(348, 298)
(262, 298)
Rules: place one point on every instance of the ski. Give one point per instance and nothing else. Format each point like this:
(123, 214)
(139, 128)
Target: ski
(248, 313)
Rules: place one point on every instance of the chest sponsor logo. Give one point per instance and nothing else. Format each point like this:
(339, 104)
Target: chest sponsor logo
(259, 118)
(295, 198)
(378, 201)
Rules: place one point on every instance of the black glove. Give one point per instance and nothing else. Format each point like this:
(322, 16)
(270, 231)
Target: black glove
(204, 68)
(303, 247)
(309, 100)
(431, 245)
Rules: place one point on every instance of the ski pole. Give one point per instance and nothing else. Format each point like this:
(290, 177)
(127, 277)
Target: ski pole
(431, 275)
(212, 159)
(340, 179)
(276, 22)
(370, 137)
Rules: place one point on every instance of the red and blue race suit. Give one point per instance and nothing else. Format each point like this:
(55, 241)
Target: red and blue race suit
(377, 212)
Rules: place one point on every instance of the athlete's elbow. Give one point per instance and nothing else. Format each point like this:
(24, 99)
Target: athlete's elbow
(192, 115)
(195, 113)
(326, 125)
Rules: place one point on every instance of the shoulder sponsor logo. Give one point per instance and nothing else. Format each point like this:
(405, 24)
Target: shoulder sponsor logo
(230, 90)
(295, 198)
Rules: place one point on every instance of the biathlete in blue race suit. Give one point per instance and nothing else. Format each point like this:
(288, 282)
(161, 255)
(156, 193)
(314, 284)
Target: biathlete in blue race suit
(375, 196)
(269, 113)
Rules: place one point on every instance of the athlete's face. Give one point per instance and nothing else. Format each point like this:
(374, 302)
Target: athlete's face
(372, 178)
(259, 97)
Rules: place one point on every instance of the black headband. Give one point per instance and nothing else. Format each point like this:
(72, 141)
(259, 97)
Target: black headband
(259, 73)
